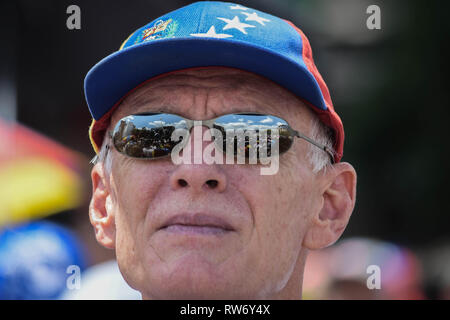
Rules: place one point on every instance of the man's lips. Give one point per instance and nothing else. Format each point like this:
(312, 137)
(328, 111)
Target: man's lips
(191, 229)
(198, 223)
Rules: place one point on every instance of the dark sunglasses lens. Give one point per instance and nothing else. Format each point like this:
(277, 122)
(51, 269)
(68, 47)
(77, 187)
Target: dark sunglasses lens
(147, 135)
(257, 133)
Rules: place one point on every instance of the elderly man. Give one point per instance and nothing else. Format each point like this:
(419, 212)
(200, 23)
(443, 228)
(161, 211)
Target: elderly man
(211, 230)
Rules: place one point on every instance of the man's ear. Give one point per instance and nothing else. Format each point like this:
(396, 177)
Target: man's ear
(100, 209)
(338, 201)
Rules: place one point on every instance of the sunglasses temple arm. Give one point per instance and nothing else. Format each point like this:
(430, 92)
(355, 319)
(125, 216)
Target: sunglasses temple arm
(324, 148)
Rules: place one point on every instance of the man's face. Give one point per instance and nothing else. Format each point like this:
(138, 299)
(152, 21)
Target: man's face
(259, 254)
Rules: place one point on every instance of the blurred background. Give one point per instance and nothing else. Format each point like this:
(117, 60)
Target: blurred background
(388, 86)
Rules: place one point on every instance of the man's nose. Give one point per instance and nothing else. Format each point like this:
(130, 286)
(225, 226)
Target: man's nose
(198, 176)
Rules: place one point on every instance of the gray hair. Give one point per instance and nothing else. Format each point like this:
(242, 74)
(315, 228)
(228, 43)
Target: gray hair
(320, 133)
(104, 156)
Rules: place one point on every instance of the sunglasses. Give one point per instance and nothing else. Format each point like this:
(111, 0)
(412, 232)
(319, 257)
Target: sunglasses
(154, 135)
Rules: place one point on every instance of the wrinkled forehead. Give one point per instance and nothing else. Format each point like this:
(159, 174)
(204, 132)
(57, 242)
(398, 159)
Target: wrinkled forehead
(237, 90)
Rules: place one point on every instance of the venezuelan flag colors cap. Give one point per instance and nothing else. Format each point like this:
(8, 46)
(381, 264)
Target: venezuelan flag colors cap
(210, 34)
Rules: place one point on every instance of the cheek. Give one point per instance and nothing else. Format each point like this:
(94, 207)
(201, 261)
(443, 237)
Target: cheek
(134, 186)
(281, 206)
(278, 202)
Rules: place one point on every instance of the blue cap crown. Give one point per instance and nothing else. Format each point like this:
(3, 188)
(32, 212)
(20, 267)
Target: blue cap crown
(226, 21)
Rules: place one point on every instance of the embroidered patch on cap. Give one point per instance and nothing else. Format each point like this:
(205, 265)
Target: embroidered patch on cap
(161, 29)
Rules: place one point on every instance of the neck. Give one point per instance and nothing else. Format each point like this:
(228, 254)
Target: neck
(292, 290)
(294, 286)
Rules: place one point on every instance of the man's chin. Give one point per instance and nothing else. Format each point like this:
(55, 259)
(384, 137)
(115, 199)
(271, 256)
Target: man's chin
(186, 251)
(193, 276)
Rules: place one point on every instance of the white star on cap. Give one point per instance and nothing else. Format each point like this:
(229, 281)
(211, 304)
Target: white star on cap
(236, 24)
(254, 17)
(211, 34)
(238, 7)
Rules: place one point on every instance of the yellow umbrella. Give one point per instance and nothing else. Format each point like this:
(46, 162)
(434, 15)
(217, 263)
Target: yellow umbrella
(38, 176)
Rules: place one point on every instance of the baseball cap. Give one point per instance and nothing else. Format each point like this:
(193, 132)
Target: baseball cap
(210, 33)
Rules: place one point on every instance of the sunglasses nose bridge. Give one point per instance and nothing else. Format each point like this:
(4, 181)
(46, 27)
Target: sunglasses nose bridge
(197, 144)
(203, 123)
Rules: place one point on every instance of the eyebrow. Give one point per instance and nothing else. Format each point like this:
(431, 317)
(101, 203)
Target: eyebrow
(145, 102)
(163, 108)
(173, 109)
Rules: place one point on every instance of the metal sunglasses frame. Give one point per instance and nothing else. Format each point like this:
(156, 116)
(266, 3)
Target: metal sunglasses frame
(190, 123)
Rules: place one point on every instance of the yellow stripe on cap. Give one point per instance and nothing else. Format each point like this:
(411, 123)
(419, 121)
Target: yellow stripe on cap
(123, 43)
(94, 145)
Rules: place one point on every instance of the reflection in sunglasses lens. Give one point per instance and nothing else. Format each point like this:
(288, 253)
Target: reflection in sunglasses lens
(146, 136)
(250, 136)
(254, 135)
